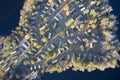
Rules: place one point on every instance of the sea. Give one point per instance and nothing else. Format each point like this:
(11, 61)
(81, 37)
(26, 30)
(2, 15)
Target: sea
(9, 19)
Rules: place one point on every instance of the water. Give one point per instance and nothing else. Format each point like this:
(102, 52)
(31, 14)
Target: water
(9, 15)
(9, 18)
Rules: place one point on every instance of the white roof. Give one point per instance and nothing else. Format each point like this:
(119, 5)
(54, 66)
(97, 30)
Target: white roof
(1, 61)
(31, 68)
(35, 67)
(93, 2)
(56, 18)
(13, 52)
(78, 38)
(82, 9)
(39, 66)
(46, 7)
(81, 5)
(25, 46)
(49, 35)
(7, 69)
(54, 61)
(53, 9)
(91, 45)
(59, 1)
(67, 33)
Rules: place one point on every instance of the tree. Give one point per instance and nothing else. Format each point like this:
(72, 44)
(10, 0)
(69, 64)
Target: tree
(44, 40)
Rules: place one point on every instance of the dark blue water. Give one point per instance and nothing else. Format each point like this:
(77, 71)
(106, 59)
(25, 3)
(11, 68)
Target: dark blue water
(9, 15)
(9, 18)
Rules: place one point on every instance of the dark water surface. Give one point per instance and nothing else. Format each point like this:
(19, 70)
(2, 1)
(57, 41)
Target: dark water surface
(9, 18)
(9, 15)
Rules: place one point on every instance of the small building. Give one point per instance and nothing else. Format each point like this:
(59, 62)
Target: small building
(14, 57)
(49, 35)
(34, 49)
(26, 55)
(35, 67)
(56, 5)
(22, 48)
(78, 28)
(34, 13)
(67, 33)
(60, 16)
(91, 45)
(18, 40)
(75, 15)
(39, 66)
(4, 65)
(46, 7)
(53, 9)
(31, 68)
(1, 61)
(25, 46)
(60, 43)
(52, 45)
(59, 1)
(27, 42)
(7, 69)
(56, 18)
(38, 59)
(13, 52)
(94, 40)
(55, 61)
(44, 12)
(68, 57)
(93, 2)
(82, 9)
(31, 52)
(86, 33)
(81, 5)
(75, 41)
